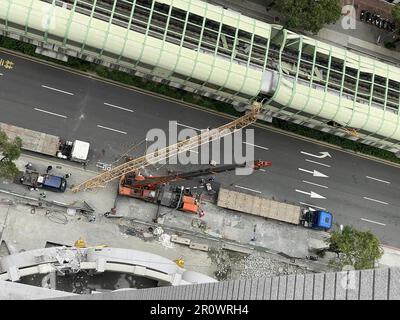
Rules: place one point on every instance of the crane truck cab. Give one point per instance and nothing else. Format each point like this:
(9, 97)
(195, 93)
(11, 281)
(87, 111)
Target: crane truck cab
(317, 219)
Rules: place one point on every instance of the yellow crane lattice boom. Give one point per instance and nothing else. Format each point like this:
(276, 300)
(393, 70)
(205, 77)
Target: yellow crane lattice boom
(205, 137)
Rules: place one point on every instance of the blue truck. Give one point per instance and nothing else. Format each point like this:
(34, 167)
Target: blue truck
(45, 181)
(317, 219)
(272, 209)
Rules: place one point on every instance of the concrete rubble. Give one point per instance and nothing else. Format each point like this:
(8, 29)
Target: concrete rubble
(257, 266)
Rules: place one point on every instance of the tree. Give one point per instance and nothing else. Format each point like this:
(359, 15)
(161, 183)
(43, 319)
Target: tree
(360, 249)
(310, 15)
(9, 151)
(396, 13)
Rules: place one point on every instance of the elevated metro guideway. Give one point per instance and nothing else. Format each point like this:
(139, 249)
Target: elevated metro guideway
(222, 54)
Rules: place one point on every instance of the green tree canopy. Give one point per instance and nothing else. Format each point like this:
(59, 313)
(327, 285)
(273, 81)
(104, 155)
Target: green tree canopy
(360, 249)
(9, 151)
(310, 15)
(396, 13)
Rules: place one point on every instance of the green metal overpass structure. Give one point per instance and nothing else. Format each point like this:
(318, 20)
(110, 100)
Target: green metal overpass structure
(222, 54)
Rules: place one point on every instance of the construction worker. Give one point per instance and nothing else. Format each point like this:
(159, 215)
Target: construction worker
(201, 213)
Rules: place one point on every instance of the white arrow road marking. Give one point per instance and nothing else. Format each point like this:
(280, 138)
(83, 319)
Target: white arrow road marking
(315, 184)
(315, 173)
(378, 179)
(321, 164)
(382, 224)
(378, 201)
(321, 156)
(312, 194)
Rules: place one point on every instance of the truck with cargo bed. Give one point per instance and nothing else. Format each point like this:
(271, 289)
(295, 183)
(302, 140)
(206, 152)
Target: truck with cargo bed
(272, 209)
(48, 144)
(33, 179)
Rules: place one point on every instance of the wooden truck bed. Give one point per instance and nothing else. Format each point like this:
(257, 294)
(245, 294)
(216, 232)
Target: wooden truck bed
(33, 140)
(259, 206)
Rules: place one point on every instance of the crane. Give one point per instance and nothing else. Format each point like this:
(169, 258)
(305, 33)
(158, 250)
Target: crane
(205, 136)
(157, 190)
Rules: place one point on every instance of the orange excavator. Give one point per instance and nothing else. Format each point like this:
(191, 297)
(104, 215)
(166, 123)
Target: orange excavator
(156, 189)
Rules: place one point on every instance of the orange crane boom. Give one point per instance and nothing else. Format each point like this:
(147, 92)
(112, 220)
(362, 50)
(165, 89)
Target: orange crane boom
(165, 153)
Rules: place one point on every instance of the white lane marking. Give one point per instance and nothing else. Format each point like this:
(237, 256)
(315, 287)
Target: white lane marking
(58, 90)
(52, 113)
(262, 170)
(118, 107)
(315, 173)
(254, 145)
(378, 179)
(240, 187)
(111, 129)
(321, 164)
(311, 205)
(1, 74)
(315, 184)
(185, 126)
(312, 194)
(381, 224)
(370, 199)
(321, 156)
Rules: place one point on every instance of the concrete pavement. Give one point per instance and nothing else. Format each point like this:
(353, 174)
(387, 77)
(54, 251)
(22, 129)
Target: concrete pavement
(358, 191)
(362, 39)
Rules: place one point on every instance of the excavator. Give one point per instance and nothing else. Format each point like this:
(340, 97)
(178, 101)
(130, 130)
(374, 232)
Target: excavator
(157, 189)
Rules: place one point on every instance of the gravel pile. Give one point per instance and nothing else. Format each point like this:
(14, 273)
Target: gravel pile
(256, 266)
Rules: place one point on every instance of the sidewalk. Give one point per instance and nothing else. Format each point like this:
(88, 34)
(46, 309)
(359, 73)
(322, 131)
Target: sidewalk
(333, 34)
(390, 258)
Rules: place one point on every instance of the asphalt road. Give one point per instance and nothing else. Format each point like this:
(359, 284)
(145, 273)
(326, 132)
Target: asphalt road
(360, 192)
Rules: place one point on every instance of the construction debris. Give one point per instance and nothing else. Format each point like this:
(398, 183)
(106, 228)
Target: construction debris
(165, 240)
(257, 266)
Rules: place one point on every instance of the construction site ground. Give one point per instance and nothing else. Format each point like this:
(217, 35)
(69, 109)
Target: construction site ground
(226, 236)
